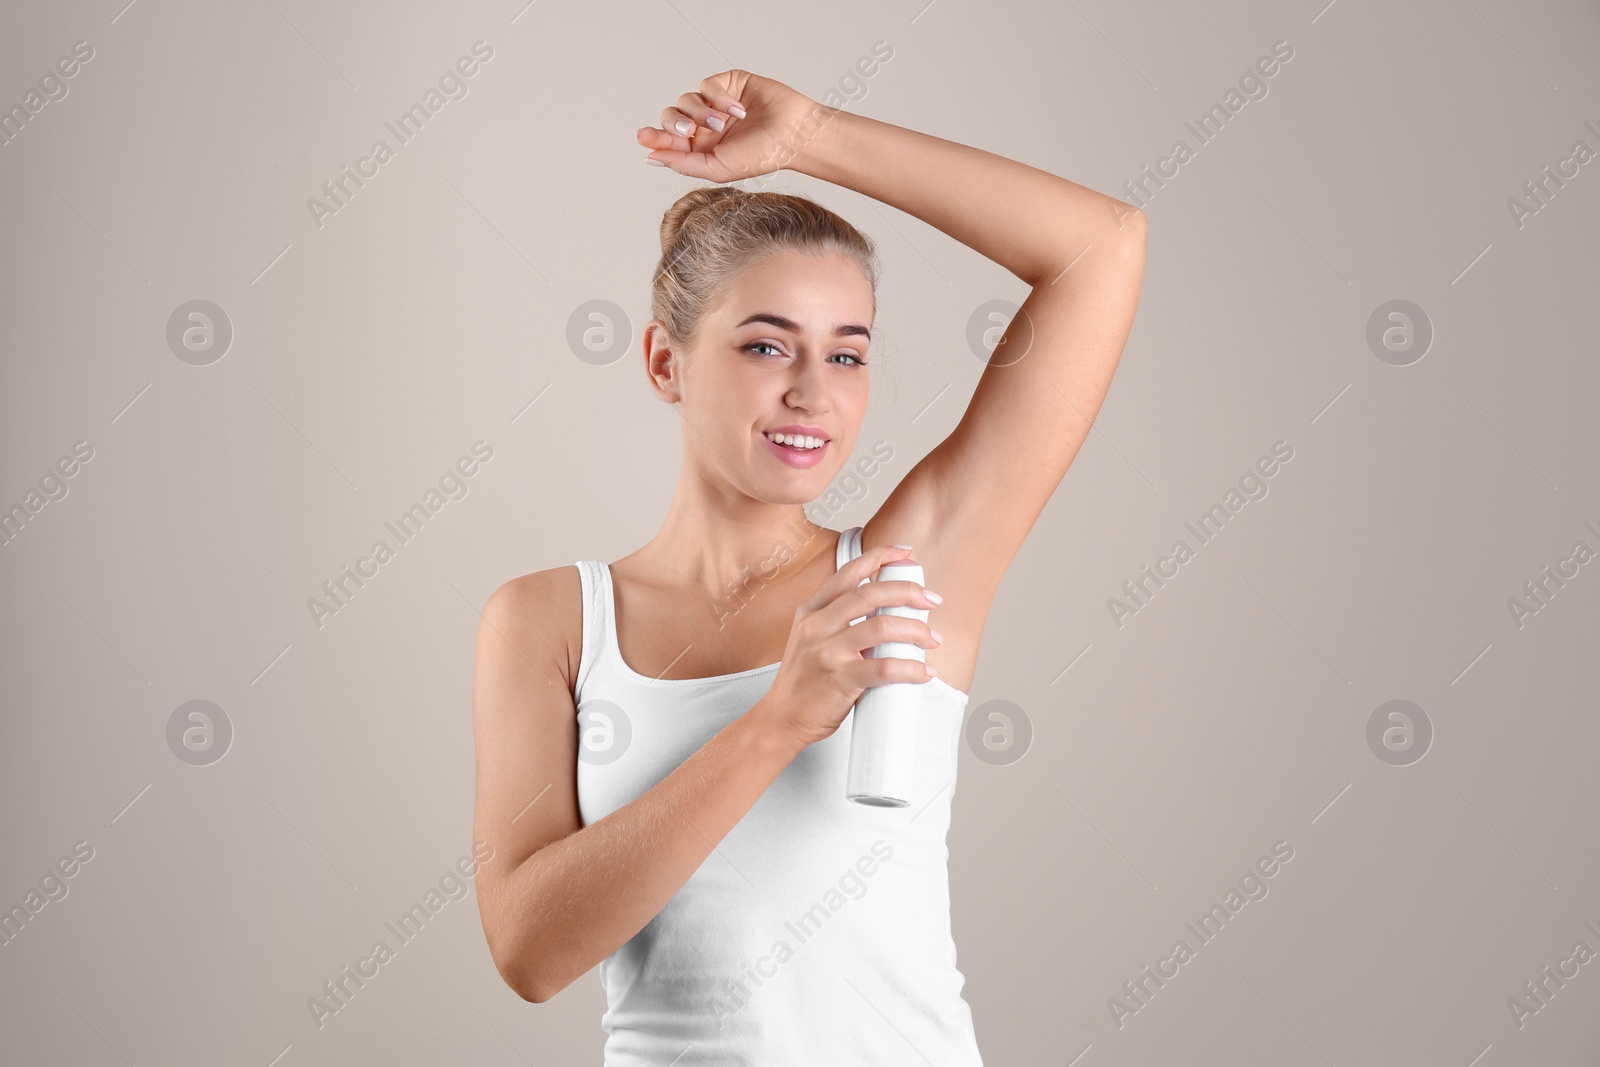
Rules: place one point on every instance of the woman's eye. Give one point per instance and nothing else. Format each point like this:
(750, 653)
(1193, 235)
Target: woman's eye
(754, 345)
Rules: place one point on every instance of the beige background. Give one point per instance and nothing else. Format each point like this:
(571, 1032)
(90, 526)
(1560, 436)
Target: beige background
(1230, 713)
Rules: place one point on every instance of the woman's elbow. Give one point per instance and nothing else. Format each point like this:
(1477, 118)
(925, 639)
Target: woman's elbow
(515, 975)
(511, 961)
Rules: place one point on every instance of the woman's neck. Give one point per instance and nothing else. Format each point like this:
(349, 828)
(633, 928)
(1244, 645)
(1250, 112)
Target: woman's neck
(709, 547)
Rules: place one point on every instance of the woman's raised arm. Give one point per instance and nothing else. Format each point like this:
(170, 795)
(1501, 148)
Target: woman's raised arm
(973, 499)
(970, 503)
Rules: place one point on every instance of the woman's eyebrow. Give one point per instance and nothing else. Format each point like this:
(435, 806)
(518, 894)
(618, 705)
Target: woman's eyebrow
(794, 327)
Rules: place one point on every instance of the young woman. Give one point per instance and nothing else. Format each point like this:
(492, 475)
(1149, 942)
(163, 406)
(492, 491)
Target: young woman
(662, 743)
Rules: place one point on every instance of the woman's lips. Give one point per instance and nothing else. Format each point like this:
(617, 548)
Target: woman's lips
(794, 457)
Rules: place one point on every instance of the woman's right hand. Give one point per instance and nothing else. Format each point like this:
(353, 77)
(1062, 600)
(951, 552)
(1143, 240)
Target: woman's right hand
(825, 669)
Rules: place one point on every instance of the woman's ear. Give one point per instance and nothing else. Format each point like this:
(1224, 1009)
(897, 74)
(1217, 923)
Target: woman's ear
(664, 371)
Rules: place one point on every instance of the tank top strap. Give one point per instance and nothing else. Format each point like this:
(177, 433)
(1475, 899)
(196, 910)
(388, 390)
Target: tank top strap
(849, 549)
(591, 576)
(849, 546)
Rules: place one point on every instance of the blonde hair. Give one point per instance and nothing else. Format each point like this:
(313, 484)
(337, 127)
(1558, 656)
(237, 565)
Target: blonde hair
(711, 234)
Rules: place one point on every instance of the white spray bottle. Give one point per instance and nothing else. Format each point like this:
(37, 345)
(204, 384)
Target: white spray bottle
(884, 725)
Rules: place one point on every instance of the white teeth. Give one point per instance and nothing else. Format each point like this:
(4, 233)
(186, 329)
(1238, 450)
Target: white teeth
(796, 440)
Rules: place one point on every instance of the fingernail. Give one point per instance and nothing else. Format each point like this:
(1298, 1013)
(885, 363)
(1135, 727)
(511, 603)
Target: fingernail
(932, 670)
(899, 546)
(715, 122)
(935, 597)
(684, 126)
(937, 636)
(736, 111)
(653, 161)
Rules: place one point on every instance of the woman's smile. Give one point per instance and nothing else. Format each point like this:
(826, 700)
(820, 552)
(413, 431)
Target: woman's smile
(796, 457)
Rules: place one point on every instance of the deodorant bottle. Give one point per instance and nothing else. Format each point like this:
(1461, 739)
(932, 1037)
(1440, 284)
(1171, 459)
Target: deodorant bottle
(885, 721)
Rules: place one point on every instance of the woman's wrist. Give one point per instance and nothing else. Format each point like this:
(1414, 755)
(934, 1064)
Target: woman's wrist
(818, 140)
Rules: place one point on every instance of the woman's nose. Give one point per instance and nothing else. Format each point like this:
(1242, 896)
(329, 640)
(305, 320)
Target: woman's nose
(807, 389)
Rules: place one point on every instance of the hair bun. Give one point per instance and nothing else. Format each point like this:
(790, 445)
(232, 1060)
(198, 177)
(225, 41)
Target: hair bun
(672, 222)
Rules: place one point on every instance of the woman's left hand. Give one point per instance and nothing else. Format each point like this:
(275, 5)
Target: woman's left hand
(761, 122)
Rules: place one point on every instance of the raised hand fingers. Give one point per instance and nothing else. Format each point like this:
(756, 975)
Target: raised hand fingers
(723, 92)
(694, 114)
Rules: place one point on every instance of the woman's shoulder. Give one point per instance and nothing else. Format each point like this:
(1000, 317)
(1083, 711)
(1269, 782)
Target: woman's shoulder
(541, 609)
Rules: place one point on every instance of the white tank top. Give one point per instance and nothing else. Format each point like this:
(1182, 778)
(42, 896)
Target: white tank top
(818, 930)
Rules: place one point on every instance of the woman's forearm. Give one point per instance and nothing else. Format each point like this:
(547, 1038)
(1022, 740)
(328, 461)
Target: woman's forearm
(1019, 216)
(572, 903)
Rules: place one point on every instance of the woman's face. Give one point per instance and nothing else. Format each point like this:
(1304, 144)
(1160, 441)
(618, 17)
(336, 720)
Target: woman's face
(787, 345)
